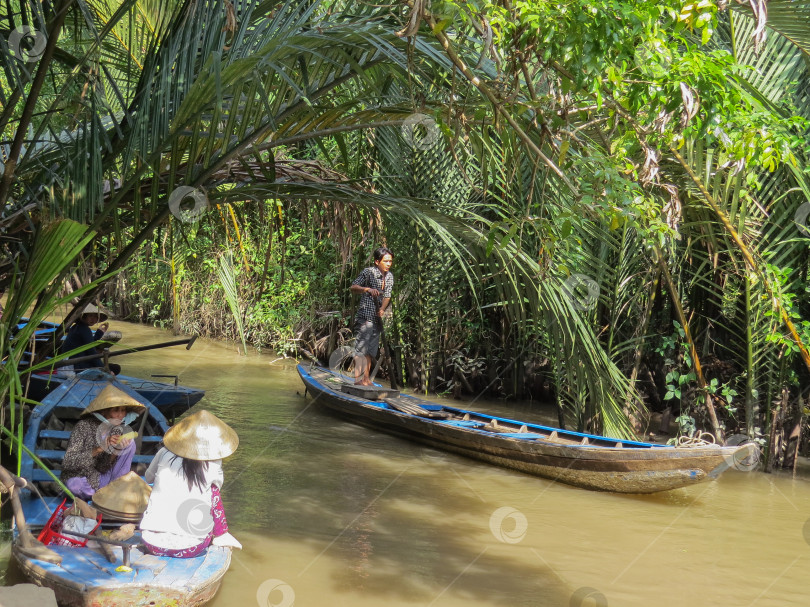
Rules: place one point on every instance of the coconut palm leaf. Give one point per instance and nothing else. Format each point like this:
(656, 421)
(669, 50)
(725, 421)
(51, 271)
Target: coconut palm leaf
(227, 278)
(38, 290)
(790, 19)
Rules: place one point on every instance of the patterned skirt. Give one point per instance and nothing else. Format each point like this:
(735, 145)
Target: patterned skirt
(220, 528)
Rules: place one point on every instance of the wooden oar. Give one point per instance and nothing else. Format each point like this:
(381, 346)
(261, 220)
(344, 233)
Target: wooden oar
(379, 358)
(166, 344)
(382, 339)
(27, 544)
(125, 546)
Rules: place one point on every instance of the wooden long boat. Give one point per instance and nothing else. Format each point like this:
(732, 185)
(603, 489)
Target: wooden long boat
(583, 460)
(171, 399)
(85, 577)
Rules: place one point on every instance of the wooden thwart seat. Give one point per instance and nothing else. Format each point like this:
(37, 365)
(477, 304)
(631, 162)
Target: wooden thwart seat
(58, 455)
(65, 435)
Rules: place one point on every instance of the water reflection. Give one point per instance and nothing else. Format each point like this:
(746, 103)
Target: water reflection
(330, 513)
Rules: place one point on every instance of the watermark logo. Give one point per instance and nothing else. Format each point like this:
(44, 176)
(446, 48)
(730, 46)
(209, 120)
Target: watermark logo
(512, 533)
(746, 457)
(339, 358)
(275, 593)
(801, 218)
(806, 531)
(194, 517)
(582, 291)
(589, 597)
(114, 438)
(420, 131)
(187, 203)
(27, 44)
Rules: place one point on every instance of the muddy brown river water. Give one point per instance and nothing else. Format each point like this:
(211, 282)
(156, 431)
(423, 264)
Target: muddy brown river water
(331, 514)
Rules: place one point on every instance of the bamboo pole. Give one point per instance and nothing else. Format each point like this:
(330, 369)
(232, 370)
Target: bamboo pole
(69, 361)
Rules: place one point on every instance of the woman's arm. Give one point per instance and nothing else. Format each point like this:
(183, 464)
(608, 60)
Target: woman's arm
(214, 474)
(151, 471)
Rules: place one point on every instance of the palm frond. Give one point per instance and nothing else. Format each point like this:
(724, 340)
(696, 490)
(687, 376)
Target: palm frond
(227, 278)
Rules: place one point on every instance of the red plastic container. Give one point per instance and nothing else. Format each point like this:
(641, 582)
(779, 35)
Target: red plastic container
(50, 534)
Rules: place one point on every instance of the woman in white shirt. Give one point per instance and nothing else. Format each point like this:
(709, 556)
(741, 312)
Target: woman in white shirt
(185, 515)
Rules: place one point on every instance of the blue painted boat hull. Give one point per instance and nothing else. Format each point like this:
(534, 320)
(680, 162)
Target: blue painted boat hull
(85, 577)
(583, 460)
(170, 399)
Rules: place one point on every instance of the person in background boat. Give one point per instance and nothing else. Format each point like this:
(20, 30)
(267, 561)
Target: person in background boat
(184, 514)
(97, 451)
(375, 285)
(80, 334)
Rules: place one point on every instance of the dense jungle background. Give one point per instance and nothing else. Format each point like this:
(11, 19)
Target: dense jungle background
(597, 203)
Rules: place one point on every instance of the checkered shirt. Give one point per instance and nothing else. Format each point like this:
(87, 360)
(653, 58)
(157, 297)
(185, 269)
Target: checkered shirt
(372, 278)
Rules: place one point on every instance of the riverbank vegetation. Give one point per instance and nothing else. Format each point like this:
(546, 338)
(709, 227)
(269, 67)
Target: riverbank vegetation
(604, 204)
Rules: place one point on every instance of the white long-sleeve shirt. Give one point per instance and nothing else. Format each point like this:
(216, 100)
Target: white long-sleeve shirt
(177, 517)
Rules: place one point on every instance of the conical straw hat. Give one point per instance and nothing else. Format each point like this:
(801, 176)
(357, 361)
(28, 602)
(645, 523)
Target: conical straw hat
(111, 397)
(128, 495)
(201, 436)
(93, 309)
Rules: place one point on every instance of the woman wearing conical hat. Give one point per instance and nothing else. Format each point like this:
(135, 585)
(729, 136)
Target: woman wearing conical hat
(80, 334)
(97, 453)
(185, 514)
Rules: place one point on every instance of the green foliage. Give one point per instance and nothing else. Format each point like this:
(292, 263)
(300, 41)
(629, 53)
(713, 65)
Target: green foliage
(586, 138)
(34, 294)
(227, 280)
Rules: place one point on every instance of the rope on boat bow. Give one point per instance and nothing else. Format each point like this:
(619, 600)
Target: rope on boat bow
(697, 440)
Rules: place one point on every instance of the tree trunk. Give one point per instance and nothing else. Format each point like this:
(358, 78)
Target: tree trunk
(776, 442)
(793, 435)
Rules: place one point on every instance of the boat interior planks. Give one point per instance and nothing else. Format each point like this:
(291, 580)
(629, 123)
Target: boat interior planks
(576, 458)
(85, 577)
(50, 424)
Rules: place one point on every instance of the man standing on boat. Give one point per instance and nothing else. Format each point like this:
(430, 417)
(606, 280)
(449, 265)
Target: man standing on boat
(374, 284)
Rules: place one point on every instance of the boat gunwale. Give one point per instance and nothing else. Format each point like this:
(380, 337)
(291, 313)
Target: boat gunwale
(37, 422)
(713, 450)
(454, 438)
(76, 593)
